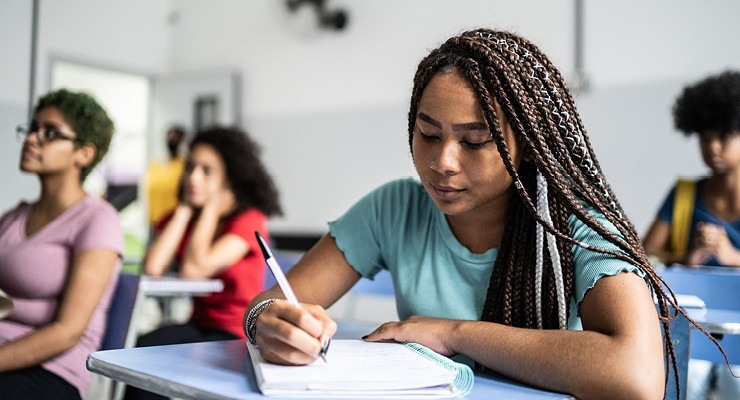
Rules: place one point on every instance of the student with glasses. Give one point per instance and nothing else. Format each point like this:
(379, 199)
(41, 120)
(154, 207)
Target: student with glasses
(59, 254)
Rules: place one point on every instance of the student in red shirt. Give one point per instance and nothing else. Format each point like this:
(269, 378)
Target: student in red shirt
(226, 196)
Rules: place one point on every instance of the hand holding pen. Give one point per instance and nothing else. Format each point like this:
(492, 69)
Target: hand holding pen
(284, 285)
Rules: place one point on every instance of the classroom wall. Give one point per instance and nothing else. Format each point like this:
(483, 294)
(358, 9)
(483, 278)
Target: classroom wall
(330, 108)
(130, 36)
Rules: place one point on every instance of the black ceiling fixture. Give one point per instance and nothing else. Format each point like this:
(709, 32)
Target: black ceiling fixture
(328, 19)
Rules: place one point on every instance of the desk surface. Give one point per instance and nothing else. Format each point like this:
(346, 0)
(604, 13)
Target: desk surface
(172, 285)
(717, 320)
(222, 370)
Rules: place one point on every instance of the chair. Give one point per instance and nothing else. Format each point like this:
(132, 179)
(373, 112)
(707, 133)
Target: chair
(120, 332)
(718, 287)
(121, 312)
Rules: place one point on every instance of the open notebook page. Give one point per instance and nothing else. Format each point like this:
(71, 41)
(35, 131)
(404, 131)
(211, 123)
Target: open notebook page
(359, 368)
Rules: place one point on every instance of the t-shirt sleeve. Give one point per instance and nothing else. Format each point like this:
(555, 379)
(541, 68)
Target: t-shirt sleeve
(361, 231)
(101, 229)
(665, 213)
(590, 266)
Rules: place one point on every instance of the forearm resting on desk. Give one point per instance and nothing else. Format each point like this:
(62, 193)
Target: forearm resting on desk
(586, 364)
(617, 355)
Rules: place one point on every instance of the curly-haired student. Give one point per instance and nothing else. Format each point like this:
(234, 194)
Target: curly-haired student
(708, 230)
(226, 196)
(699, 220)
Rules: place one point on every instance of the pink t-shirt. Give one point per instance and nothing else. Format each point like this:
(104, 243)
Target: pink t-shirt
(34, 270)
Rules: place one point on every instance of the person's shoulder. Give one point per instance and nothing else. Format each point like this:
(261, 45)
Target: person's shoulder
(401, 187)
(250, 213)
(95, 208)
(97, 204)
(20, 209)
(698, 180)
(249, 219)
(399, 199)
(22, 206)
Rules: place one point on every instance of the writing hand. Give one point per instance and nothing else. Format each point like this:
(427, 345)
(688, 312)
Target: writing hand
(293, 336)
(434, 333)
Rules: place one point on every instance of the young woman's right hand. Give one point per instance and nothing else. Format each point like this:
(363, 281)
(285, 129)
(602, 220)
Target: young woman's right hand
(293, 336)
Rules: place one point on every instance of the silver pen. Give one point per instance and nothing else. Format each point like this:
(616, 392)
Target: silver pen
(282, 281)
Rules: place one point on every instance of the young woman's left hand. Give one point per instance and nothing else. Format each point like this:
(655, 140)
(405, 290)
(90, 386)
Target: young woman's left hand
(222, 200)
(434, 333)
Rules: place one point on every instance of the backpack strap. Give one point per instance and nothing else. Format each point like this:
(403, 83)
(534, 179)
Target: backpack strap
(683, 208)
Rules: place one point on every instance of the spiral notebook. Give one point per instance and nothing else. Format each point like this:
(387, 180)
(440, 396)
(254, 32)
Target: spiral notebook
(359, 369)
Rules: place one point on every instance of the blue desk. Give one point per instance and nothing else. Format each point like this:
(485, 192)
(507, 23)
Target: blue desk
(222, 370)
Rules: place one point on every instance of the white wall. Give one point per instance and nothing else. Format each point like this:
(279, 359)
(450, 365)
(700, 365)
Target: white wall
(631, 130)
(633, 41)
(130, 36)
(330, 108)
(370, 64)
(15, 36)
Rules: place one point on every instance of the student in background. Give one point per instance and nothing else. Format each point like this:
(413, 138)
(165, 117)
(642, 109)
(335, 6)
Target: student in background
(59, 255)
(163, 178)
(227, 196)
(511, 250)
(699, 221)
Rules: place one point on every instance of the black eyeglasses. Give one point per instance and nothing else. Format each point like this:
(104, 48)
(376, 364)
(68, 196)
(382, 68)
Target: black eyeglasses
(44, 134)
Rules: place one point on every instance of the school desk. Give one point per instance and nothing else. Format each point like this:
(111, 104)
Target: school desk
(167, 288)
(223, 370)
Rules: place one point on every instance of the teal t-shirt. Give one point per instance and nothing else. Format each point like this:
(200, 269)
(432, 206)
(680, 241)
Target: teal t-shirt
(397, 227)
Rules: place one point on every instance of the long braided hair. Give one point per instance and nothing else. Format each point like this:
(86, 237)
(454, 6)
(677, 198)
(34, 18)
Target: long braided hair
(530, 289)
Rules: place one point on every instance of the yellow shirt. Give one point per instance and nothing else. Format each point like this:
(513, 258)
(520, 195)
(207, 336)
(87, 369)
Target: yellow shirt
(163, 181)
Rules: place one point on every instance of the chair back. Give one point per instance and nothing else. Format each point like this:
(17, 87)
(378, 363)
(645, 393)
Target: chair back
(120, 312)
(719, 288)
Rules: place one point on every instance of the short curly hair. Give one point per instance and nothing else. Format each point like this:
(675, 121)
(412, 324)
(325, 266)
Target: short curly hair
(248, 178)
(710, 105)
(87, 118)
